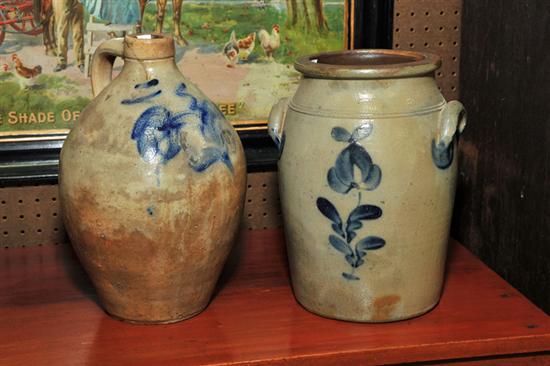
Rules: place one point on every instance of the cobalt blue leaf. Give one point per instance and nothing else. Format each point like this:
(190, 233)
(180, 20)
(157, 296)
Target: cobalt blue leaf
(370, 243)
(349, 276)
(336, 184)
(373, 177)
(361, 132)
(350, 259)
(350, 229)
(365, 212)
(340, 134)
(210, 127)
(328, 210)
(147, 84)
(142, 99)
(338, 229)
(358, 263)
(354, 225)
(340, 245)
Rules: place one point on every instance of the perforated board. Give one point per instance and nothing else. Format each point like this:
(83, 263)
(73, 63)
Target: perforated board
(31, 216)
(432, 26)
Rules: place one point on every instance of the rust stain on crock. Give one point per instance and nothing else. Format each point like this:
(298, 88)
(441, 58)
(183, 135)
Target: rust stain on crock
(384, 306)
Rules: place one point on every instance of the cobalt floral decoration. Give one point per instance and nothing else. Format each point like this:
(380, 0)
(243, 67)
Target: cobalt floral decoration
(341, 178)
(161, 134)
(157, 134)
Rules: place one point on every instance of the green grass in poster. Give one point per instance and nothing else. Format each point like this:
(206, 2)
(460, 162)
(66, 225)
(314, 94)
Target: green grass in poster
(209, 26)
(34, 107)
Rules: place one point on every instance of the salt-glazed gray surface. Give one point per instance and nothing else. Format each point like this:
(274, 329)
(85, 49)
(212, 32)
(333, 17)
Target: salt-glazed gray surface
(367, 181)
(152, 185)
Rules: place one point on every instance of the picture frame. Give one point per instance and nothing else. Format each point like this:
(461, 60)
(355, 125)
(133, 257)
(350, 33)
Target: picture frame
(31, 155)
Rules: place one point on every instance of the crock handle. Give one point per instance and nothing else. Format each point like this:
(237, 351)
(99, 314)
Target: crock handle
(102, 63)
(453, 119)
(277, 121)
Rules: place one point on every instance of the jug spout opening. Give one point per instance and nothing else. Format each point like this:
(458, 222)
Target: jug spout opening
(367, 64)
(149, 46)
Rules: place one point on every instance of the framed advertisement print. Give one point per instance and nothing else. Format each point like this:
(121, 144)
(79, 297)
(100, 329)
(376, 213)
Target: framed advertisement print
(240, 53)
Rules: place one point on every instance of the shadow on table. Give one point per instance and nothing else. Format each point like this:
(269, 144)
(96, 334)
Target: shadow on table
(75, 273)
(232, 264)
(42, 275)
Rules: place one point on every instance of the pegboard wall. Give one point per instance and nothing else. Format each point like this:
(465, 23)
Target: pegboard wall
(432, 26)
(30, 215)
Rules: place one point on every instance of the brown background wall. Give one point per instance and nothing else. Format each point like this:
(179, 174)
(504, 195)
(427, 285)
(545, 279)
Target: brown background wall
(503, 201)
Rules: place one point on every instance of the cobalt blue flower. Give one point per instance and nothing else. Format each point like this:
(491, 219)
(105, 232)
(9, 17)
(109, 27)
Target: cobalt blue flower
(217, 141)
(341, 178)
(156, 132)
(353, 169)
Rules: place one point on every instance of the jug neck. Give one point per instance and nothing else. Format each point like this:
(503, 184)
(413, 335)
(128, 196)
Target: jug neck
(152, 69)
(148, 47)
(152, 54)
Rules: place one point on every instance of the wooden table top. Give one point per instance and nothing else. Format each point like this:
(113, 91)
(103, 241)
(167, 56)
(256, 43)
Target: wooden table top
(49, 315)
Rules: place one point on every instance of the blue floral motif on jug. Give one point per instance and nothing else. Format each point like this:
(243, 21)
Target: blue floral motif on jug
(342, 179)
(207, 117)
(158, 132)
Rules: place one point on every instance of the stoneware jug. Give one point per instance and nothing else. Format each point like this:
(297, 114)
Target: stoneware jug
(152, 182)
(367, 181)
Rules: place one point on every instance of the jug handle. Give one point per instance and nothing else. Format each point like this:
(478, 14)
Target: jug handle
(277, 121)
(102, 63)
(453, 120)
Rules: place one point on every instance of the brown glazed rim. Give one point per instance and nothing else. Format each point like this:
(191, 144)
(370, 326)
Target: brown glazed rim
(367, 64)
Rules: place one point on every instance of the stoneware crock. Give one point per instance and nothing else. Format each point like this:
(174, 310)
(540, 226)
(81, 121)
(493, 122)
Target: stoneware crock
(152, 184)
(367, 180)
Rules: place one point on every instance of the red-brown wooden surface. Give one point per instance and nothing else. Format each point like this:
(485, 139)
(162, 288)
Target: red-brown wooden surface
(49, 315)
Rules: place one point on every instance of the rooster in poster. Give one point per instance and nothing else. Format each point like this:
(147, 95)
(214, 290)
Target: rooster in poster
(246, 46)
(25, 75)
(270, 42)
(231, 50)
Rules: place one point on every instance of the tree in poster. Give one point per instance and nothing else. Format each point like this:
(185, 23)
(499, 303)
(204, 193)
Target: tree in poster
(322, 24)
(296, 12)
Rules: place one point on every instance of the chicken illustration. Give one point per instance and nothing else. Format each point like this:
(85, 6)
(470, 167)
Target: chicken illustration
(25, 75)
(270, 42)
(231, 50)
(246, 46)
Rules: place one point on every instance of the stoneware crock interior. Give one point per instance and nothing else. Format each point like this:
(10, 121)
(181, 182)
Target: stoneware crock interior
(367, 64)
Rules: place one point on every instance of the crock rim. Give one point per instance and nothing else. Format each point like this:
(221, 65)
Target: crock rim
(414, 64)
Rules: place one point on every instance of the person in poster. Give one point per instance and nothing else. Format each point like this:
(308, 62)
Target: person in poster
(69, 15)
